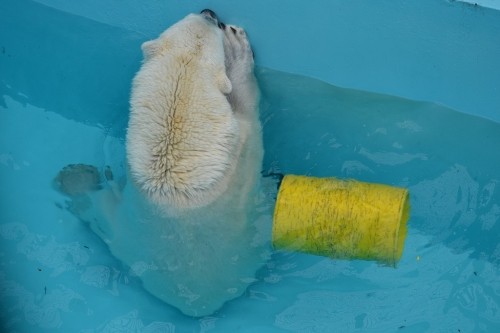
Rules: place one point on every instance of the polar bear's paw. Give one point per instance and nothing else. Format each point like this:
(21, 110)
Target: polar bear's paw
(238, 53)
(76, 179)
(239, 65)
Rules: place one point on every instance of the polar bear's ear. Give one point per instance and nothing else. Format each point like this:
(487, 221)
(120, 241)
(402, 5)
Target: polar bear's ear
(149, 49)
(224, 83)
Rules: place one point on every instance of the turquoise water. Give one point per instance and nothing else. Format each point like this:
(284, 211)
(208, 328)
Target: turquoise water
(64, 99)
(56, 275)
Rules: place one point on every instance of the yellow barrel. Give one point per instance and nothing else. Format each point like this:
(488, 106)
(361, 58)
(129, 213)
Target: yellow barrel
(343, 219)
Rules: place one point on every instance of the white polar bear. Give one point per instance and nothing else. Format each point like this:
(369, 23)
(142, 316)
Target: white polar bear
(193, 222)
(194, 114)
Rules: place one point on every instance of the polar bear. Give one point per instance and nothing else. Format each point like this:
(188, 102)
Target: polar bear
(189, 218)
(193, 113)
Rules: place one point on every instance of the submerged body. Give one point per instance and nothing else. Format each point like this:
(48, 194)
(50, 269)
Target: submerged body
(185, 219)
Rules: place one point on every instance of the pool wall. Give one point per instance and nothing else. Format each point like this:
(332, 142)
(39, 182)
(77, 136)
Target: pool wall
(434, 50)
(65, 74)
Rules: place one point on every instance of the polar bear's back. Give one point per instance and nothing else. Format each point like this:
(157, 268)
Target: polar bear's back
(182, 133)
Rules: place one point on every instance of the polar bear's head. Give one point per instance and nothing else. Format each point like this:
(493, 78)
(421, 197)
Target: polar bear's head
(196, 33)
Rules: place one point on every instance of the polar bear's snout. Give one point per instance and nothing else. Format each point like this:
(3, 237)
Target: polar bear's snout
(211, 16)
(210, 13)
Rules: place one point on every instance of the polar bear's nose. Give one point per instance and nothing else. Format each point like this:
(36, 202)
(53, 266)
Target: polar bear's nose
(209, 14)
